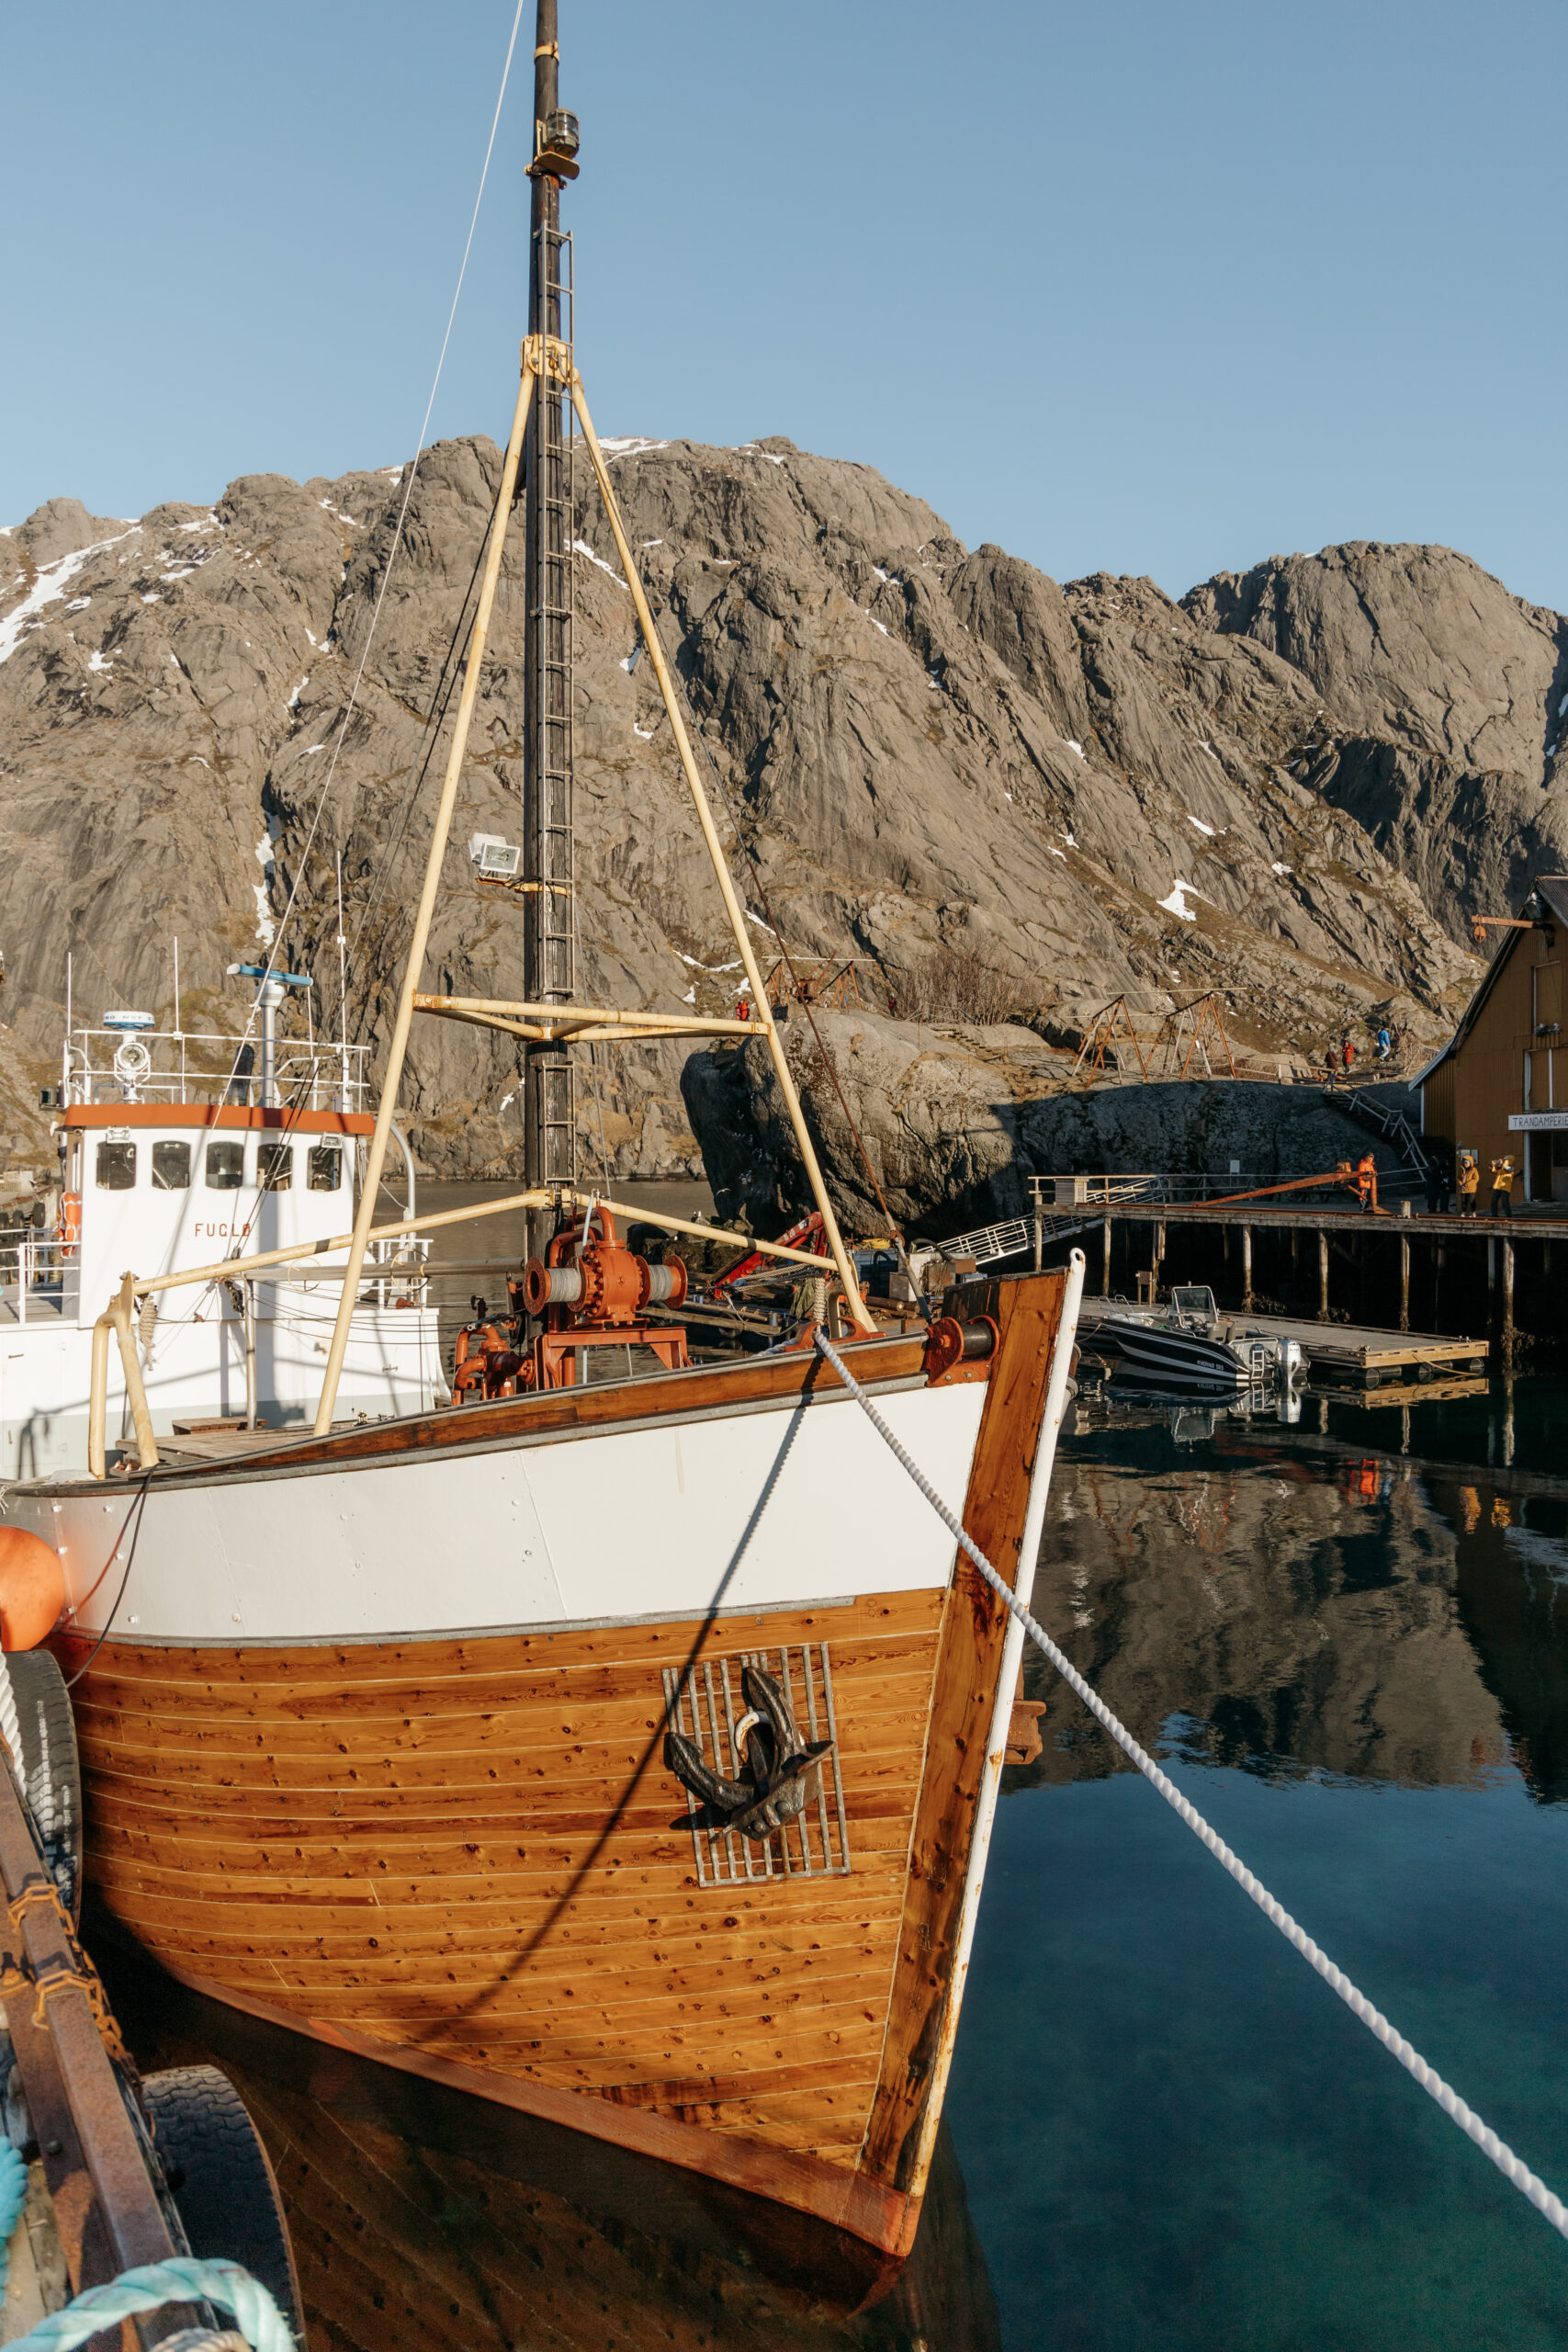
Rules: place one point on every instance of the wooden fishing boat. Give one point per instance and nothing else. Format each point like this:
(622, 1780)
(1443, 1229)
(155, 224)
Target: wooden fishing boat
(376, 1746)
(622, 1745)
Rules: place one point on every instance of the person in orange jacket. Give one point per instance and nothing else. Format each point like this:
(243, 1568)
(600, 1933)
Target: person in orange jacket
(1367, 1181)
(1469, 1183)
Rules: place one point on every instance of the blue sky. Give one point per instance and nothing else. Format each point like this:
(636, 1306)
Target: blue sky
(1128, 286)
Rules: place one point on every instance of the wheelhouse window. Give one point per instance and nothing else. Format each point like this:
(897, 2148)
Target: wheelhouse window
(171, 1168)
(324, 1168)
(275, 1167)
(117, 1167)
(225, 1167)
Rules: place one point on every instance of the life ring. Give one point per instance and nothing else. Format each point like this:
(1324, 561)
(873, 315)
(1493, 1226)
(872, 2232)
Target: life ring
(70, 1228)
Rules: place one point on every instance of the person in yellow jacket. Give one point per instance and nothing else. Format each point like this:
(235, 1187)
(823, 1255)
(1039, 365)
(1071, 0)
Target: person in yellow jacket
(1503, 1175)
(1469, 1184)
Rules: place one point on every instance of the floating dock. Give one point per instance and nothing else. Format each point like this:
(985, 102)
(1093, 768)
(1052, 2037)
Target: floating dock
(1351, 1351)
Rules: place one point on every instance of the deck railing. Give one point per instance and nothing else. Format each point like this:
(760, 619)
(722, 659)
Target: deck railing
(191, 1065)
(32, 1269)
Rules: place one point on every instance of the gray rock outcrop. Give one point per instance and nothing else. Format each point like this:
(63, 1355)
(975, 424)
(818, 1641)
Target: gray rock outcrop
(957, 1117)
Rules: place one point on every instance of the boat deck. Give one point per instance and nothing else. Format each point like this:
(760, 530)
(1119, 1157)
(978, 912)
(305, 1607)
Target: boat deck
(44, 1305)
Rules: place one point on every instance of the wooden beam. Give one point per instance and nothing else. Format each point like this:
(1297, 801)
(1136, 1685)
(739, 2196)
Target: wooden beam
(396, 1051)
(1405, 1282)
(545, 1023)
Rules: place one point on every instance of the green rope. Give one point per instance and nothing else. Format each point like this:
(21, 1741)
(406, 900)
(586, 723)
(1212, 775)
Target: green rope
(13, 2197)
(182, 2279)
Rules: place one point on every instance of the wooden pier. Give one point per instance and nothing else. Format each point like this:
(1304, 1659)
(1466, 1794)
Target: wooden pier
(1463, 1270)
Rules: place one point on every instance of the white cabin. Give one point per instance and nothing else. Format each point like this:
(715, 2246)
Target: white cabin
(167, 1161)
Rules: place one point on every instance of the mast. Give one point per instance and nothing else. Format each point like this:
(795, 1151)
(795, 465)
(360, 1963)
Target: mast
(550, 961)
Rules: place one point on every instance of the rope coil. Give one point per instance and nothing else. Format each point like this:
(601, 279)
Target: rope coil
(1512, 2168)
(182, 2279)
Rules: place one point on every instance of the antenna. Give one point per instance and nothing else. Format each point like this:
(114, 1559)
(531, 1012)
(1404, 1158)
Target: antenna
(179, 1032)
(549, 976)
(270, 986)
(342, 988)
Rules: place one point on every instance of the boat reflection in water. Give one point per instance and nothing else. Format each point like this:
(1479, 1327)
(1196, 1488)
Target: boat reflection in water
(426, 2221)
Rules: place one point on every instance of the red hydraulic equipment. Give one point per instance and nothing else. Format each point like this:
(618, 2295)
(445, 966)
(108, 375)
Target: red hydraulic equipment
(593, 1292)
(807, 1233)
(483, 1363)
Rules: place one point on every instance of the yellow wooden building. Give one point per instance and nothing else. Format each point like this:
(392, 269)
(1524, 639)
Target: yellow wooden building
(1501, 1084)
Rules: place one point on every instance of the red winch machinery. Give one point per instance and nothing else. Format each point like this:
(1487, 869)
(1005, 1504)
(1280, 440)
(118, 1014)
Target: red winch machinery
(591, 1293)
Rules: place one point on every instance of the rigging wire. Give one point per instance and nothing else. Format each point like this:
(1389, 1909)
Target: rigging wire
(441, 703)
(302, 863)
(749, 855)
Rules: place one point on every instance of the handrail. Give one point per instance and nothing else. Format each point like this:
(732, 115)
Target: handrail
(117, 1317)
(118, 1314)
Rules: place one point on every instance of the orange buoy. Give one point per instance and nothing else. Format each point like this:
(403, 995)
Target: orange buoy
(32, 1589)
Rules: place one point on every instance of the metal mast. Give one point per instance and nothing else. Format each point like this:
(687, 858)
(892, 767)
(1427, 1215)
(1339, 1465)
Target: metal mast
(549, 1150)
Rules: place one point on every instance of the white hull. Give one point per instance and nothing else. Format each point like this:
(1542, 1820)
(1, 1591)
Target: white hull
(764, 1506)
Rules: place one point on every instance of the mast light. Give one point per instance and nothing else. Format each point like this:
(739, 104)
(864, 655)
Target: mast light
(497, 860)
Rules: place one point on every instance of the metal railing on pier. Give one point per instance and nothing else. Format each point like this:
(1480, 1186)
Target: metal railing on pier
(1065, 1205)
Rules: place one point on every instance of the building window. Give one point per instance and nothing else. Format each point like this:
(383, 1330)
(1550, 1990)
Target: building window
(117, 1167)
(225, 1167)
(275, 1167)
(324, 1168)
(171, 1168)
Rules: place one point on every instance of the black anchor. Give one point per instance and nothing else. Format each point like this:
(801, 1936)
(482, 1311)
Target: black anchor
(778, 1762)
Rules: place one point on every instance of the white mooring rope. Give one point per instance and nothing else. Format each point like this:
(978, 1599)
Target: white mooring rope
(1512, 2168)
(10, 1728)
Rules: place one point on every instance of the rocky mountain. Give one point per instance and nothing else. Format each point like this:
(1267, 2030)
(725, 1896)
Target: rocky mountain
(1293, 787)
(1445, 711)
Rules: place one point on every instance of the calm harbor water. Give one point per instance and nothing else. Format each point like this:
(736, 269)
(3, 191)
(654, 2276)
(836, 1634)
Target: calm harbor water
(1352, 1658)
(1347, 1641)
